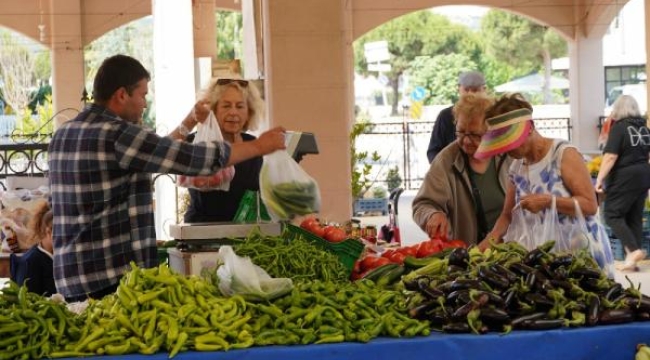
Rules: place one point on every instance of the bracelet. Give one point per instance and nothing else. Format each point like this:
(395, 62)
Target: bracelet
(183, 130)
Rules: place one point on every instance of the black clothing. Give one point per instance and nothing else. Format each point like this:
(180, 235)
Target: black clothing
(628, 182)
(443, 134)
(218, 205)
(36, 269)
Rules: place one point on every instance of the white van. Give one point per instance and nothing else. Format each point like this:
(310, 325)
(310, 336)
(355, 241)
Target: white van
(637, 91)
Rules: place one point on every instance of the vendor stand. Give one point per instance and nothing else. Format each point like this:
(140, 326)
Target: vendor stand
(600, 342)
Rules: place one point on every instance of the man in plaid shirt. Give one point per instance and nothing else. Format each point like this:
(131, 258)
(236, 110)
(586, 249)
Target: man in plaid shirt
(100, 176)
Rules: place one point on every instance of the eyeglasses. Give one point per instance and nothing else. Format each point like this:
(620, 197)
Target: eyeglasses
(242, 83)
(472, 136)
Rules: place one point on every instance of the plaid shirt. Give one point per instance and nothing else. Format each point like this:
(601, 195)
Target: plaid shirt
(100, 176)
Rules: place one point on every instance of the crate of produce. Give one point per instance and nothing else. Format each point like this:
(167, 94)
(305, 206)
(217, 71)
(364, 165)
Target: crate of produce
(348, 251)
(617, 249)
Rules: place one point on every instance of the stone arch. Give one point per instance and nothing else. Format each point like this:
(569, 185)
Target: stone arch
(571, 22)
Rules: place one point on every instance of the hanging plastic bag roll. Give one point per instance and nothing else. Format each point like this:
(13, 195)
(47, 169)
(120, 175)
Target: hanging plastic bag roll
(286, 188)
(209, 132)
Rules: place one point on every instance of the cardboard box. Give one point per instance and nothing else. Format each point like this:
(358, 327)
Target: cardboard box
(191, 263)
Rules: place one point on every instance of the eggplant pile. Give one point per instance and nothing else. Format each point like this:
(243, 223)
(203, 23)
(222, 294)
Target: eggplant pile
(507, 287)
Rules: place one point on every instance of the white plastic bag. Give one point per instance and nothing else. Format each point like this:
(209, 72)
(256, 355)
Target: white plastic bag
(522, 227)
(208, 132)
(598, 246)
(287, 190)
(570, 235)
(239, 276)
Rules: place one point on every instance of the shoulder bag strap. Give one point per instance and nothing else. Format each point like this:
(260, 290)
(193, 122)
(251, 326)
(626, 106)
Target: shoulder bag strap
(479, 213)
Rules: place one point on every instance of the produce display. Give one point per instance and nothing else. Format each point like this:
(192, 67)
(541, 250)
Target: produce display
(157, 310)
(440, 287)
(297, 259)
(434, 247)
(508, 287)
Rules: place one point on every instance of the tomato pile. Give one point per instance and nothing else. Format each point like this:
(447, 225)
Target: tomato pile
(397, 255)
(330, 233)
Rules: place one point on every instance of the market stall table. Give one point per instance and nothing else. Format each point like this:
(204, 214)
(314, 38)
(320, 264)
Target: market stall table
(600, 342)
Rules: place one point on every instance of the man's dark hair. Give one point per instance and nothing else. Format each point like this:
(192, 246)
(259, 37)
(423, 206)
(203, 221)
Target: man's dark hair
(115, 72)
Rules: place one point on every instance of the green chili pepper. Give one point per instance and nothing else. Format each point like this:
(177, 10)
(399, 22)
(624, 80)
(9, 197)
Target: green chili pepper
(180, 342)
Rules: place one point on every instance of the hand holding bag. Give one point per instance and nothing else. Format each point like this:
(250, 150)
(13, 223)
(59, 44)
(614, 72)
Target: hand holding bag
(209, 132)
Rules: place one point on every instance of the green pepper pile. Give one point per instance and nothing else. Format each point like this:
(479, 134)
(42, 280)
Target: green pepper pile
(32, 326)
(297, 259)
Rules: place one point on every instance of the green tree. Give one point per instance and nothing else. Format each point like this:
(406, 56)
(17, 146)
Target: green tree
(421, 33)
(229, 34)
(439, 76)
(511, 37)
(43, 66)
(16, 71)
(37, 128)
(134, 39)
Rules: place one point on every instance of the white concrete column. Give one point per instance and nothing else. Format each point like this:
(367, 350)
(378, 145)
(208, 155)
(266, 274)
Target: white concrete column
(174, 88)
(587, 94)
(253, 53)
(64, 38)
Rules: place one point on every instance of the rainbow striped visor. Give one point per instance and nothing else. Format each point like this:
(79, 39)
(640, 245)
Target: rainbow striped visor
(505, 132)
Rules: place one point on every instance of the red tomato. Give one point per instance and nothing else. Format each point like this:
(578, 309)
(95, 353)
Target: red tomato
(199, 182)
(427, 248)
(457, 243)
(334, 234)
(307, 222)
(381, 261)
(388, 253)
(409, 251)
(397, 258)
(316, 229)
(368, 262)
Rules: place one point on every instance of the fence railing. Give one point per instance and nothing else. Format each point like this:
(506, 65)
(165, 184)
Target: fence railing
(404, 145)
(399, 144)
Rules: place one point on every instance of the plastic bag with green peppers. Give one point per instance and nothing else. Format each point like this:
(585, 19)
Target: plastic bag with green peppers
(239, 276)
(286, 188)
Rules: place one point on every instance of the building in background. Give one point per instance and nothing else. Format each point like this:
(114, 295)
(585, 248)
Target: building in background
(624, 55)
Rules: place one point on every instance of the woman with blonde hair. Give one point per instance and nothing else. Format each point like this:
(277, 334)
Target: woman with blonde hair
(239, 108)
(624, 177)
(461, 196)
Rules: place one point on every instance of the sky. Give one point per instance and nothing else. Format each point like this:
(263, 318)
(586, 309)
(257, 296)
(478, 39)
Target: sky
(466, 14)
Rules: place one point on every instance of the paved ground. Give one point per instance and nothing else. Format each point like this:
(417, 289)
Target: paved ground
(412, 234)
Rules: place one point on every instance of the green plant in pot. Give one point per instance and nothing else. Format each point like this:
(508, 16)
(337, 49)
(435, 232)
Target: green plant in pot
(361, 162)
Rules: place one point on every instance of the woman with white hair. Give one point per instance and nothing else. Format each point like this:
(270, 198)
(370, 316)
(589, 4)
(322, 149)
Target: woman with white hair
(239, 108)
(626, 173)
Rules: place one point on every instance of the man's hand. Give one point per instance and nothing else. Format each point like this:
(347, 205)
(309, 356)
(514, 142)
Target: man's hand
(201, 111)
(437, 225)
(271, 140)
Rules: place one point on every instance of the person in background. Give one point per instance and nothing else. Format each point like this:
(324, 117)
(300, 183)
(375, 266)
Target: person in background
(444, 129)
(100, 166)
(238, 107)
(462, 196)
(542, 168)
(624, 176)
(34, 267)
